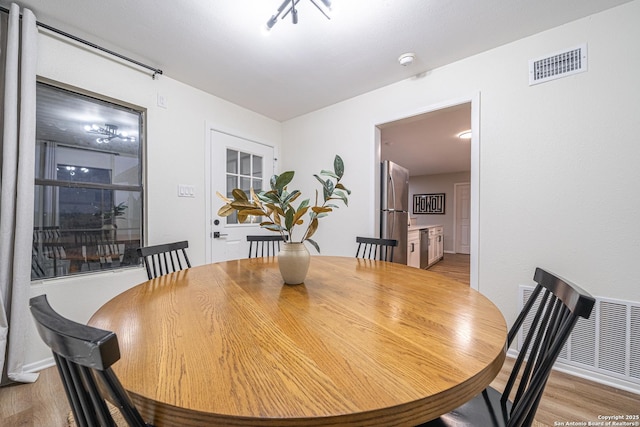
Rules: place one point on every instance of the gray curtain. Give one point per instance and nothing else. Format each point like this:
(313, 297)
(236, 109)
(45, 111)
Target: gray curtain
(18, 91)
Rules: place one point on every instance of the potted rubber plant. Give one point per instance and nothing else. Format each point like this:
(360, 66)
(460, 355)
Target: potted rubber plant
(297, 222)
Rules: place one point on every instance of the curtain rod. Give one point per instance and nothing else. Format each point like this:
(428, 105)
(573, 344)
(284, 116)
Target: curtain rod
(156, 71)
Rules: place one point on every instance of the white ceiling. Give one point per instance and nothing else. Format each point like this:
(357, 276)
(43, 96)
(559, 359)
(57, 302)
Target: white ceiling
(428, 144)
(219, 47)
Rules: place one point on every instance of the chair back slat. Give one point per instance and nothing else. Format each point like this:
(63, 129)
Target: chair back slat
(84, 356)
(166, 258)
(374, 248)
(559, 308)
(261, 246)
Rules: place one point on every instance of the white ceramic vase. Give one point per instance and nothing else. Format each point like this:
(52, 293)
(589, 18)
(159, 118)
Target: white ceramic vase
(293, 261)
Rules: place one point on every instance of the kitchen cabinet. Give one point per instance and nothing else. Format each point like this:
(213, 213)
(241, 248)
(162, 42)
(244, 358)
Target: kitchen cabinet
(436, 245)
(413, 248)
(425, 245)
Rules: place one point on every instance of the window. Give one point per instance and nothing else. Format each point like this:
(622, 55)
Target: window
(88, 184)
(244, 171)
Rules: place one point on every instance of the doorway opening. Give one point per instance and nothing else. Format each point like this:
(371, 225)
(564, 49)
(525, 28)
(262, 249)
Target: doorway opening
(426, 142)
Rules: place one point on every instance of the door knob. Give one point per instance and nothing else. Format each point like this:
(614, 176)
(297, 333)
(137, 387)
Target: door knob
(217, 234)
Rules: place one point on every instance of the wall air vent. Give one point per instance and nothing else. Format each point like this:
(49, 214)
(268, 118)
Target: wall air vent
(558, 65)
(606, 345)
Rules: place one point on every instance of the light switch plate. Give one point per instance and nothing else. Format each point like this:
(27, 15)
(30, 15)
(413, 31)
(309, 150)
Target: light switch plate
(162, 101)
(186, 190)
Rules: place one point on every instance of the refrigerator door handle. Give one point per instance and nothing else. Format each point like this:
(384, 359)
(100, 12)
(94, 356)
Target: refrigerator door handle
(393, 225)
(393, 191)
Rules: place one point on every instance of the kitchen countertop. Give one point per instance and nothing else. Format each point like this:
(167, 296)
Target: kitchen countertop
(422, 227)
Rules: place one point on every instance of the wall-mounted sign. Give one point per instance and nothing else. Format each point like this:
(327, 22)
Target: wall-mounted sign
(428, 203)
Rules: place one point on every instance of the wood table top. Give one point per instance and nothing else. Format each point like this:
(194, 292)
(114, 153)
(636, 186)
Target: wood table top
(360, 343)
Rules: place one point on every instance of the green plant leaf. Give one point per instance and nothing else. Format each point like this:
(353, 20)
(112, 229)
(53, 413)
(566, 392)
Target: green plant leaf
(289, 198)
(314, 244)
(283, 179)
(342, 196)
(272, 227)
(269, 196)
(319, 179)
(342, 187)
(288, 220)
(328, 189)
(338, 166)
(303, 204)
(329, 173)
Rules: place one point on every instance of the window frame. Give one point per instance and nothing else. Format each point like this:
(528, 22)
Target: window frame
(253, 220)
(142, 167)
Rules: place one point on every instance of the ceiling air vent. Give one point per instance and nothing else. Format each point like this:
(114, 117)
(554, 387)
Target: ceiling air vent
(558, 65)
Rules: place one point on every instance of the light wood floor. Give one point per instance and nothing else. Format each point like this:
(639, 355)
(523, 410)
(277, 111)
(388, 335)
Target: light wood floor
(567, 399)
(454, 266)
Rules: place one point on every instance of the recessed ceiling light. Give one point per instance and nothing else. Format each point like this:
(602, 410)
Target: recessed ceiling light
(406, 58)
(465, 135)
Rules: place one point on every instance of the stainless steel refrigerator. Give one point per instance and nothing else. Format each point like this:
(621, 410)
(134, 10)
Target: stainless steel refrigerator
(394, 209)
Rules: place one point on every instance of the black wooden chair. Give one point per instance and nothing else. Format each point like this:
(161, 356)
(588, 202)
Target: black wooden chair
(559, 307)
(163, 259)
(49, 257)
(84, 356)
(37, 267)
(260, 246)
(373, 248)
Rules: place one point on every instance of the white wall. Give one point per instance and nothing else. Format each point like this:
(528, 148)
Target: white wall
(559, 186)
(175, 148)
(559, 181)
(440, 183)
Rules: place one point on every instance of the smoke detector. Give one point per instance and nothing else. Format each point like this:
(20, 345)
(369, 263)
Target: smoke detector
(406, 58)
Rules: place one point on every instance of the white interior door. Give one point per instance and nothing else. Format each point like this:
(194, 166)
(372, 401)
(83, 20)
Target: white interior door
(235, 163)
(463, 218)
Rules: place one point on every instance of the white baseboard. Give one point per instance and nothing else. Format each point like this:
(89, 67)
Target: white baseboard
(40, 365)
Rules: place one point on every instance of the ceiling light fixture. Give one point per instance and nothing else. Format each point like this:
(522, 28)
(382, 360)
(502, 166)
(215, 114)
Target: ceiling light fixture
(291, 4)
(107, 133)
(406, 58)
(465, 135)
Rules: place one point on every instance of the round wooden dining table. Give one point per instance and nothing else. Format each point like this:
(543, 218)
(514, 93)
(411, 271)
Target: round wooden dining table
(359, 343)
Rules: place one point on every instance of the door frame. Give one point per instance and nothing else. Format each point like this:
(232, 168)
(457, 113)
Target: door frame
(474, 99)
(456, 190)
(211, 201)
